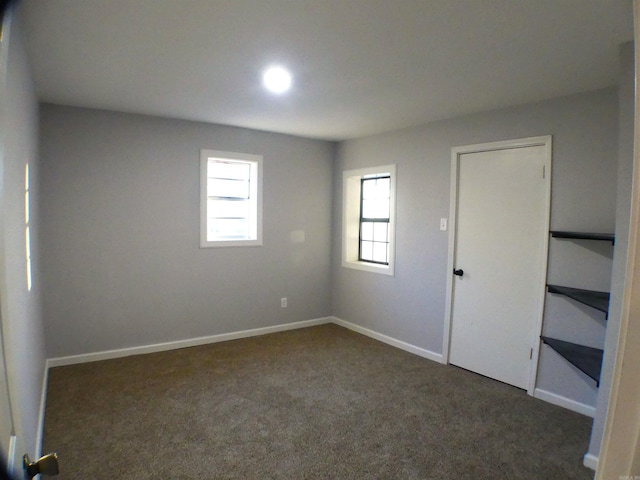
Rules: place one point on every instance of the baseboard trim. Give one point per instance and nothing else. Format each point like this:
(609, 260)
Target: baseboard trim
(590, 461)
(539, 393)
(565, 402)
(407, 347)
(43, 407)
(191, 342)
(11, 455)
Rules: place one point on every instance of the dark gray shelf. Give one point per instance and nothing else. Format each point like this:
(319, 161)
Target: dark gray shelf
(587, 359)
(592, 298)
(607, 237)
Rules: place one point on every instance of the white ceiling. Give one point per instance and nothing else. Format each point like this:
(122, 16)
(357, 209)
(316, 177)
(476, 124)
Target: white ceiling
(360, 66)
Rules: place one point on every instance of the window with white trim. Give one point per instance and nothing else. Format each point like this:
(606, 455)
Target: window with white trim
(230, 199)
(368, 219)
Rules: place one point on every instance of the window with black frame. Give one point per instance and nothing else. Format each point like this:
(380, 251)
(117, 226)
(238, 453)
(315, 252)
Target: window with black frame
(374, 240)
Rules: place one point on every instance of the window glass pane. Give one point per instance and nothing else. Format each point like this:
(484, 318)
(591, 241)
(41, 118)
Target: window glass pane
(368, 209)
(367, 231)
(227, 208)
(375, 208)
(380, 252)
(368, 189)
(380, 231)
(223, 228)
(235, 170)
(382, 187)
(217, 187)
(366, 250)
(376, 188)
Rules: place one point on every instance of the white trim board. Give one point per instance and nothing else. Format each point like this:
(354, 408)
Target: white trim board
(193, 342)
(11, 455)
(407, 347)
(41, 413)
(565, 402)
(174, 345)
(590, 461)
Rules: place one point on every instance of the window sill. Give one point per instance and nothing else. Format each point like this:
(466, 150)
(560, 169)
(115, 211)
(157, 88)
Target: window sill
(231, 243)
(369, 267)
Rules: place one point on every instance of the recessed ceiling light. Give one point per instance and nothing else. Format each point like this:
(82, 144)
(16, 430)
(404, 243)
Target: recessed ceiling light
(276, 79)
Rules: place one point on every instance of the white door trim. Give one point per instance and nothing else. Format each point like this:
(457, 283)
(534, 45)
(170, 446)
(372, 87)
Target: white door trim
(456, 152)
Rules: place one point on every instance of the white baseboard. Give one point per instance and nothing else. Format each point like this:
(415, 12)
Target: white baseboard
(191, 342)
(43, 406)
(565, 402)
(407, 347)
(541, 394)
(590, 461)
(11, 456)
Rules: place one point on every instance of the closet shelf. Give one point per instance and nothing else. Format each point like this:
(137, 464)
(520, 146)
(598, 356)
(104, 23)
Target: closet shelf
(587, 359)
(607, 237)
(592, 298)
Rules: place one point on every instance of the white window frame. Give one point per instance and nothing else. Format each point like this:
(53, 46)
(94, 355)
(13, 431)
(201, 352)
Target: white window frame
(256, 196)
(351, 185)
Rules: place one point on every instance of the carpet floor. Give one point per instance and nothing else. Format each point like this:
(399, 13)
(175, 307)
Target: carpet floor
(315, 403)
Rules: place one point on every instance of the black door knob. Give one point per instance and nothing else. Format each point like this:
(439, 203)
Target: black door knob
(459, 272)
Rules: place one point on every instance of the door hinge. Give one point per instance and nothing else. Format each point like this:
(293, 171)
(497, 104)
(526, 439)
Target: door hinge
(531, 354)
(47, 466)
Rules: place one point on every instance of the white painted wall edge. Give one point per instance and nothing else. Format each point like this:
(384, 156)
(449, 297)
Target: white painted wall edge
(43, 407)
(590, 461)
(191, 342)
(565, 402)
(422, 352)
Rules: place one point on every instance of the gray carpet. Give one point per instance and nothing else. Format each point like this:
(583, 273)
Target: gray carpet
(316, 403)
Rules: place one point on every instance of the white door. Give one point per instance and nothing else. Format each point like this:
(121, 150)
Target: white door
(7, 434)
(6, 421)
(500, 244)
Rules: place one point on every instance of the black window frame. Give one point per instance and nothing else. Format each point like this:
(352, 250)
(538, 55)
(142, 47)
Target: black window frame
(362, 220)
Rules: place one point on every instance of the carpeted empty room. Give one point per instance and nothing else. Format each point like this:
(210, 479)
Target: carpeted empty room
(320, 402)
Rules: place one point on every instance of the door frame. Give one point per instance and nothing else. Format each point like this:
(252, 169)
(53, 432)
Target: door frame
(456, 152)
(13, 463)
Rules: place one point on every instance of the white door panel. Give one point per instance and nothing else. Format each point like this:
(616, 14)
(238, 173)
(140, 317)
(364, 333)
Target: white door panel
(501, 224)
(7, 438)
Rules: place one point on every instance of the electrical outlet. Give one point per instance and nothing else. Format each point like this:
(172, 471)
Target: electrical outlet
(283, 302)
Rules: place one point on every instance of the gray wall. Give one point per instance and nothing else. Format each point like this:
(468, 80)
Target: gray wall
(21, 314)
(122, 265)
(623, 214)
(411, 306)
